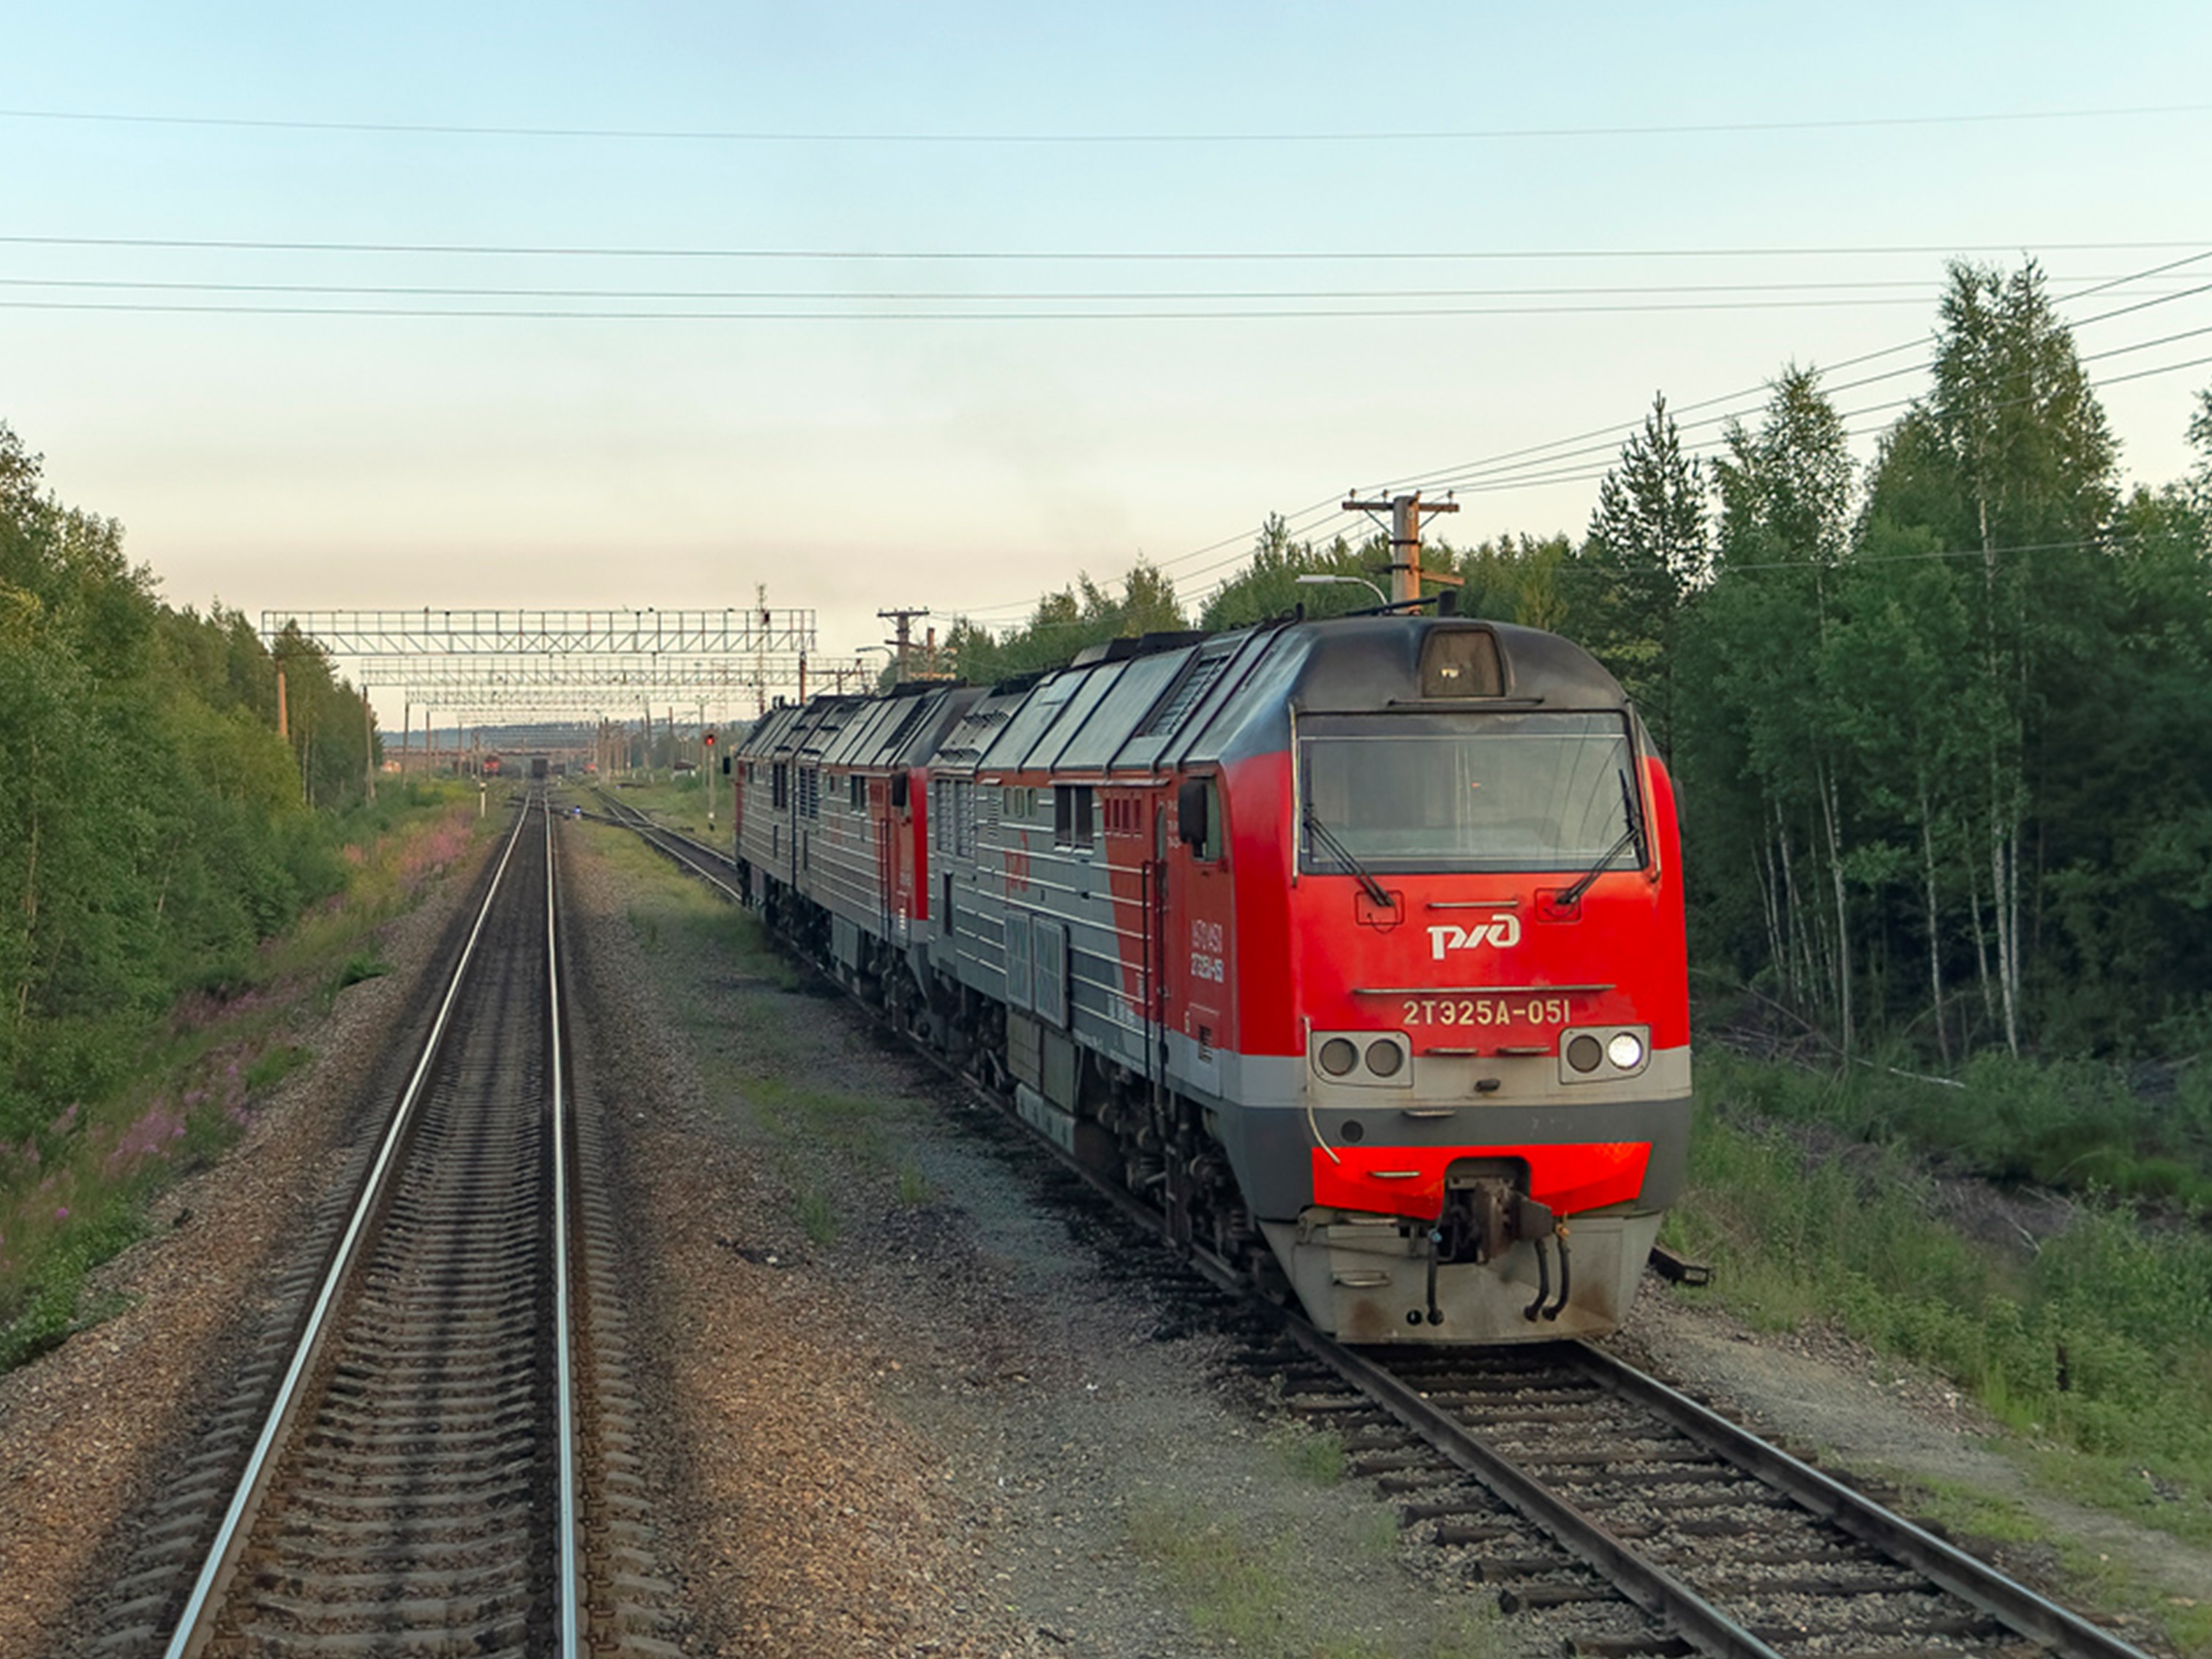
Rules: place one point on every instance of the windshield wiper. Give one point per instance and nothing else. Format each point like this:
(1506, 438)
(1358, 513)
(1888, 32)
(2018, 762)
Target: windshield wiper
(1573, 896)
(1337, 850)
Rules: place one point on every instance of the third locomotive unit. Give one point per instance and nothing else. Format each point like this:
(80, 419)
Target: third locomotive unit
(1355, 945)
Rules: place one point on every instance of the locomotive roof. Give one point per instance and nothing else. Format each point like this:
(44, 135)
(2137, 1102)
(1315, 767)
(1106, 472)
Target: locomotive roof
(1187, 700)
(1230, 694)
(901, 729)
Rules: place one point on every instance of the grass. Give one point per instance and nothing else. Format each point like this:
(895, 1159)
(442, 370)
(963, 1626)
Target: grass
(1258, 1591)
(680, 806)
(363, 964)
(2187, 1618)
(1316, 1457)
(273, 1065)
(2092, 1345)
(2076, 1126)
(2100, 1340)
(818, 1217)
(1970, 1511)
(75, 1192)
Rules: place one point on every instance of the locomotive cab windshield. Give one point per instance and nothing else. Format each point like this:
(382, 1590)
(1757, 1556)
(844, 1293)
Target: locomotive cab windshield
(1518, 790)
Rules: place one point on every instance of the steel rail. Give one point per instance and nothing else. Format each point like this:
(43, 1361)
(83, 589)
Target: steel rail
(571, 1586)
(2011, 1604)
(189, 1637)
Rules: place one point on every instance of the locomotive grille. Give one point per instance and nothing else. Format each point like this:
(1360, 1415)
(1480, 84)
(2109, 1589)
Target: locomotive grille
(1196, 679)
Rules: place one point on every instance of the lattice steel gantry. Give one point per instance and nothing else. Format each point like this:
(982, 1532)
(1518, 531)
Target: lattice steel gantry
(523, 659)
(746, 631)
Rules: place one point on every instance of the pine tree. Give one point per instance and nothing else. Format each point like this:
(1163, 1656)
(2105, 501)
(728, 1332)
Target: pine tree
(1646, 553)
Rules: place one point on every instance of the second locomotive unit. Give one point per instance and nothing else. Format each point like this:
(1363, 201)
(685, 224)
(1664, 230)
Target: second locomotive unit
(1357, 945)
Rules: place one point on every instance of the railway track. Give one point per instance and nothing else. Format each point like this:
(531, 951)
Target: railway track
(1720, 1541)
(1616, 1515)
(710, 864)
(438, 1456)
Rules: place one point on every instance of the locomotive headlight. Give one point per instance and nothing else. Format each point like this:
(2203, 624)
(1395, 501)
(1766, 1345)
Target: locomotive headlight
(1604, 1053)
(1362, 1060)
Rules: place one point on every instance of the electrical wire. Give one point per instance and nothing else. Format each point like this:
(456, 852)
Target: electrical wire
(1592, 475)
(1915, 290)
(794, 136)
(1115, 255)
(1469, 473)
(1057, 315)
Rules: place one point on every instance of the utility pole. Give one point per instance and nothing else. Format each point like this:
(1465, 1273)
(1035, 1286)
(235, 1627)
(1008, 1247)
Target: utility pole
(903, 621)
(367, 747)
(1406, 512)
(760, 654)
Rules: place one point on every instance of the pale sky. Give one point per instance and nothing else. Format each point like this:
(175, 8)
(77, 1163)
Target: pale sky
(1585, 205)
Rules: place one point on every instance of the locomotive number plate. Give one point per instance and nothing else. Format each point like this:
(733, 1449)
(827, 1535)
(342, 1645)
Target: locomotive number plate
(1485, 1010)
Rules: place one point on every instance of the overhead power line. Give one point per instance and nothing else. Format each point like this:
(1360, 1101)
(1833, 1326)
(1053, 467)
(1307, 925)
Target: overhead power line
(1145, 305)
(1915, 288)
(946, 311)
(1539, 463)
(1114, 256)
(1467, 473)
(1307, 136)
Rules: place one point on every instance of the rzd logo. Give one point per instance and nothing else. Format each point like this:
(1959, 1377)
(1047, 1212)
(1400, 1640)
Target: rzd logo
(1504, 932)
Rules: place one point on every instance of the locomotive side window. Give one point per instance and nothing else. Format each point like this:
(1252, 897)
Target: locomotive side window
(780, 785)
(1198, 817)
(1074, 822)
(1501, 790)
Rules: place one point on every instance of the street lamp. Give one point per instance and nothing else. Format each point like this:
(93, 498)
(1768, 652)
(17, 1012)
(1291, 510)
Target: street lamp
(859, 662)
(1381, 597)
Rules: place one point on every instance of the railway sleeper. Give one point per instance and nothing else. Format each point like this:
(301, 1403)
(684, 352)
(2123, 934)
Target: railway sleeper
(1820, 1586)
(1525, 1598)
(1655, 1645)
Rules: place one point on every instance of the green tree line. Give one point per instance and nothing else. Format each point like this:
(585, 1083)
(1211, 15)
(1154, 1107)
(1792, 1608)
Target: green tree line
(154, 827)
(1938, 721)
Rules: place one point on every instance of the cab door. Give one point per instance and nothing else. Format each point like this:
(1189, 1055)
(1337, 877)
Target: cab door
(1198, 935)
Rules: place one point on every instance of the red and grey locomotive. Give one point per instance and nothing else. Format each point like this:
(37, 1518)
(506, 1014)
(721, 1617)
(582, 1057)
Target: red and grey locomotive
(1357, 944)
